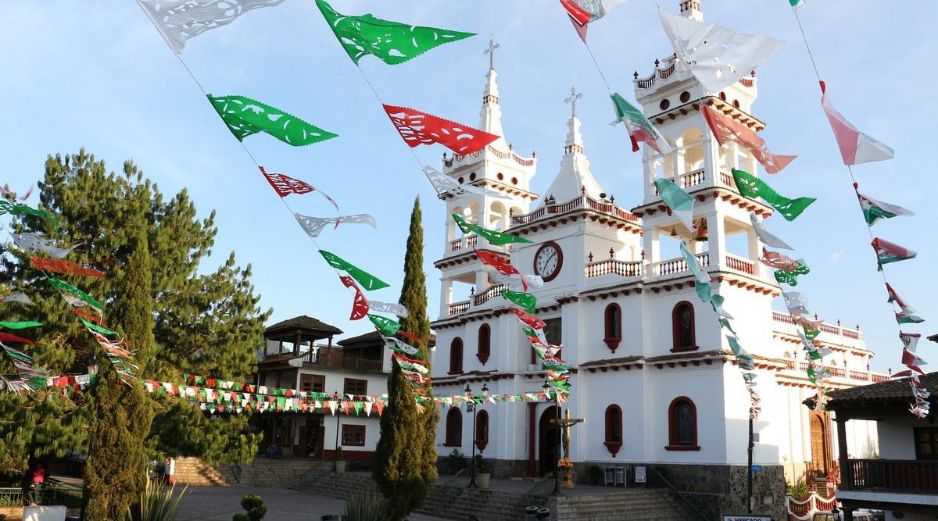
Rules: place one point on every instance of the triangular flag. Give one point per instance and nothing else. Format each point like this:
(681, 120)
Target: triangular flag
(907, 314)
(390, 42)
(493, 237)
(752, 187)
(245, 116)
(702, 278)
(582, 12)
(767, 237)
(887, 252)
(639, 127)
(367, 280)
(726, 129)
(179, 20)
(855, 146)
(285, 185)
(419, 128)
(874, 210)
(679, 201)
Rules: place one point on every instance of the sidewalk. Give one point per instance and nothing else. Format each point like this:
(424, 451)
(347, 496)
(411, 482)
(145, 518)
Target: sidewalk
(221, 503)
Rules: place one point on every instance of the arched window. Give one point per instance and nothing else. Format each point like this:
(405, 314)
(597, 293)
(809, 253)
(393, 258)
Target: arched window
(613, 326)
(613, 429)
(482, 429)
(682, 323)
(453, 428)
(682, 425)
(455, 356)
(485, 343)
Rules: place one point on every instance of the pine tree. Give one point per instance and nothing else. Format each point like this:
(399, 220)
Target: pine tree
(122, 412)
(207, 319)
(405, 459)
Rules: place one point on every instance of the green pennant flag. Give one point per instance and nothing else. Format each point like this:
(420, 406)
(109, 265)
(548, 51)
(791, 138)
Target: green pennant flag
(796, 3)
(526, 301)
(679, 201)
(725, 322)
(390, 42)
(701, 278)
(734, 345)
(20, 210)
(19, 325)
(639, 127)
(811, 333)
(245, 116)
(367, 280)
(791, 276)
(61, 285)
(874, 210)
(385, 325)
(98, 329)
(752, 187)
(494, 237)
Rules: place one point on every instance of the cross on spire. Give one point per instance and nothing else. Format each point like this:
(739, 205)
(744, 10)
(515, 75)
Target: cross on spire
(490, 50)
(574, 96)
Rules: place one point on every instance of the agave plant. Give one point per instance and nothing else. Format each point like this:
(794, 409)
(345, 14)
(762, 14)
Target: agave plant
(366, 506)
(157, 503)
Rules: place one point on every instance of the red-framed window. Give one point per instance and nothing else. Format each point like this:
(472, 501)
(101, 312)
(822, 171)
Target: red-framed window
(482, 429)
(682, 425)
(613, 440)
(683, 327)
(613, 326)
(453, 428)
(484, 349)
(353, 435)
(455, 356)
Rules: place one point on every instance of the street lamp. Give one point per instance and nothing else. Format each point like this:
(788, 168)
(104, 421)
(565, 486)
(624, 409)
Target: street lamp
(471, 407)
(547, 388)
(335, 453)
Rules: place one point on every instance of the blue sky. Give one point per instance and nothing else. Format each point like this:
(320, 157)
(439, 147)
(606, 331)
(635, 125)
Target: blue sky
(96, 74)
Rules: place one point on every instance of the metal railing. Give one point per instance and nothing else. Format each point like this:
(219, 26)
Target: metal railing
(894, 475)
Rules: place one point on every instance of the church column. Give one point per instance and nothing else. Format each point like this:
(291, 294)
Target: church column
(734, 155)
(482, 281)
(679, 167)
(651, 244)
(711, 158)
(716, 229)
(446, 296)
(649, 177)
(754, 253)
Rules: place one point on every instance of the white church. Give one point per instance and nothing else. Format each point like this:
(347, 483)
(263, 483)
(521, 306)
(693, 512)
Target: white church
(651, 372)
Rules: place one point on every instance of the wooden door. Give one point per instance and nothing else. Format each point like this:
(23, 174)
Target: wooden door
(820, 444)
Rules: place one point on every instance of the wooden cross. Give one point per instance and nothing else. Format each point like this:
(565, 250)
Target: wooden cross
(574, 96)
(564, 426)
(491, 52)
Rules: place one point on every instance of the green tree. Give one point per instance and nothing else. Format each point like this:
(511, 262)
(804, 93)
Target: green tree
(207, 321)
(122, 411)
(405, 459)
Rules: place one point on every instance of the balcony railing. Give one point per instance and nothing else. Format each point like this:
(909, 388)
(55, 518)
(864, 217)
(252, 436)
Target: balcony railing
(459, 307)
(894, 475)
(826, 328)
(489, 294)
(456, 158)
(331, 358)
(740, 264)
(465, 242)
(679, 265)
(687, 181)
(615, 267)
(581, 202)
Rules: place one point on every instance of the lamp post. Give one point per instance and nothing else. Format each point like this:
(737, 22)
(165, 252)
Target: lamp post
(546, 388)
(749, 470)
(335, 453)
(471, 407)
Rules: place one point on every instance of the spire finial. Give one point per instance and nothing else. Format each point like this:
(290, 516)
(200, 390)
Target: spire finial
(574, 96)
(490, 50)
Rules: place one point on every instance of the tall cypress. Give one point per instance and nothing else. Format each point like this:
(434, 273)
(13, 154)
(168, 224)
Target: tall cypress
(122, 412)
(405, 459)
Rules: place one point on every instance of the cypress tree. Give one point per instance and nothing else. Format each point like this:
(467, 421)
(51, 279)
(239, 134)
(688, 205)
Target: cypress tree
(122, 412)
(405, 459)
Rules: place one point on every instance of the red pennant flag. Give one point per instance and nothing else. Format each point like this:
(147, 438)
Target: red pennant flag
(360, 306)
(530, 320)
(87, 315)
(7, 337)
(285, 185)
(500, 265)
(419, 128)
(64, 266)
(725, 129)
(577, 13)
(379, 406)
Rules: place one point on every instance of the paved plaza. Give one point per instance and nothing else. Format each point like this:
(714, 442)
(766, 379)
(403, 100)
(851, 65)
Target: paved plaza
(221, 503)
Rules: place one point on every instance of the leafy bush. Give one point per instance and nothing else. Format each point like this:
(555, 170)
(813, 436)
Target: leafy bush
(366, 506)
(799, 490)
(482, 466)
(339, 455)
(157, 503)
(254, 508)
(455, 461)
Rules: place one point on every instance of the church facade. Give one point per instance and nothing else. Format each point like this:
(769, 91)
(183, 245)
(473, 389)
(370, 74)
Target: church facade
(652, 374)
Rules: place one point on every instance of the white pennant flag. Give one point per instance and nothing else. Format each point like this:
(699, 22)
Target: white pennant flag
(765, 236)
(796, 302)
(22, 298)
(388, 307)
(179, 20)
(717, 56)
(313, 226)
(32, 242)
(446, 185)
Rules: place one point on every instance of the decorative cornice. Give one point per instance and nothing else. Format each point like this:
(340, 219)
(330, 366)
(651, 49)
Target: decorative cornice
(702, 195)
(552, 221)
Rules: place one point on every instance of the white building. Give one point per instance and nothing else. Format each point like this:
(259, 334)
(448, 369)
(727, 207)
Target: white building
(652, 374)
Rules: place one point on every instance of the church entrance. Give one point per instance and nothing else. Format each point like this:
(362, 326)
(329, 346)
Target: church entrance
(548, 442)
(820, 444)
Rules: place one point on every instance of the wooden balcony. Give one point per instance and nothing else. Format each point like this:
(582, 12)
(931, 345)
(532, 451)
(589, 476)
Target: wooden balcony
(340, 360)
(916, 477)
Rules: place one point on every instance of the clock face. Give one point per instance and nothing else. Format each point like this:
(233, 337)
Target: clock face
(548, 260)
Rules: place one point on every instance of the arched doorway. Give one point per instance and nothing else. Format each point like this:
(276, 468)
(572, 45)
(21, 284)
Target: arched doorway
(820, 444)
(548, 442)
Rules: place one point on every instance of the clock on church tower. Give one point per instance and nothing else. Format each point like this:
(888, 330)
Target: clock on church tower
(548, 260)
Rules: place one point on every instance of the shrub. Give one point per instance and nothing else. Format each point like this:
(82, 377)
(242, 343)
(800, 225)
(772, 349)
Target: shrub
(799, 490)
(157, 503)
(366, 506)
(482, 466)
(254, 509)
(241, 516)
(455, 461)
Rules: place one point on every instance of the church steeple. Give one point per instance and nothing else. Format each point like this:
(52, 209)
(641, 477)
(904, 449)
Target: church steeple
(574, 177)
(691, 9)
(491, 114)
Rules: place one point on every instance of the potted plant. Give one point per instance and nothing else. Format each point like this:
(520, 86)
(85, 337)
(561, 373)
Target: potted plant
(483, 472)
(339, 460)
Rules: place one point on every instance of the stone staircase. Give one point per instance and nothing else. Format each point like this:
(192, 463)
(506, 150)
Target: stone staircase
(258, 473)
(645, 504)
(457, 502)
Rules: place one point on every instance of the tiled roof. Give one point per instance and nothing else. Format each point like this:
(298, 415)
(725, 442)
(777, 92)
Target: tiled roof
(305, 323)
(612, 361)
(891, 390)
(373, 337)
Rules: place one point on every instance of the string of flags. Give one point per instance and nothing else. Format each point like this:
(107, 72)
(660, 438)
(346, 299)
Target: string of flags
(856, 148)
